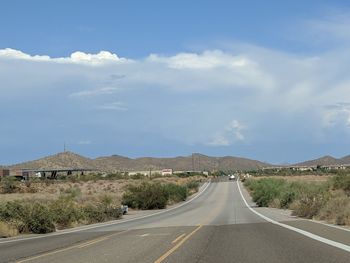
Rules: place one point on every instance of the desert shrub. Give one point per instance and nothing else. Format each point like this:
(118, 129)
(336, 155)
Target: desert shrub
(28, 217)
(65, 211)
(311, 199)
(177, 193)
(137, 176)
(116, 176)
(9, 185)
(193, 185)
(342, 181)
(288, 193)
(265, 190)
(7, 230)
(14, 211)
(72, 192)
(100, 213)
(146, 196)
(93, 214)
(40, 220)
(336, 210)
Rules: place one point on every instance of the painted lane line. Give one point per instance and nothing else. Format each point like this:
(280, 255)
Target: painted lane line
(178, 238)
(117, 222)
(93, 242)
(71, 247)
(303, 232)
(169, 252)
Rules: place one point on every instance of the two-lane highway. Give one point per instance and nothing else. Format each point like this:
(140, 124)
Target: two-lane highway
(217, 226)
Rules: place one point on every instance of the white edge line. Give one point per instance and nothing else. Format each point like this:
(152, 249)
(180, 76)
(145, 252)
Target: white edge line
(115, 222)
(329, 225)
(303, 232)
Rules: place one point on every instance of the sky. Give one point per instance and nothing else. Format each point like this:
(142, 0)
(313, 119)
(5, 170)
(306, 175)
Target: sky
(267, 80)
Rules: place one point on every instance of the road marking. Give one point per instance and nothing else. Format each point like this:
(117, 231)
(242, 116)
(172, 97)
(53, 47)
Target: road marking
(178, 238)
(116, 222)
(93, 242)
(169, 252)
(300, 231)
(144, 235)
(71, 247)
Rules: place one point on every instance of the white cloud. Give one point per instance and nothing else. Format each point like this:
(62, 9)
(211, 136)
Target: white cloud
(206, 60)
(101, 58)
(219, 140)
(94, 92)
(117, 106)
(187, 97)
(337, 115)
(232, 133)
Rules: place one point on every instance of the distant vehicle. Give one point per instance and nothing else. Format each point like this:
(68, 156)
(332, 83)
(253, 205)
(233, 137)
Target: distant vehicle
(232, 177)
(124, 209)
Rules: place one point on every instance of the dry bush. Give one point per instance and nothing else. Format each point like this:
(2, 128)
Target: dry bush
(337, 210)
(7, 230)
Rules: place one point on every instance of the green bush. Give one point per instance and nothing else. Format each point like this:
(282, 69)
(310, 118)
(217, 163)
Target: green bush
(9, 185)
(266, 190)
(100, 213)
(40, 220)
(146, 196)
(193, 185)
(342, 181)
(177, 193)
(311, 199)
(28, 217)
(65, 212)
(336, 210)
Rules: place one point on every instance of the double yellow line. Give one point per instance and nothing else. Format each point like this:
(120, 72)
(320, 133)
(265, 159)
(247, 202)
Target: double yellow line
(174, 248)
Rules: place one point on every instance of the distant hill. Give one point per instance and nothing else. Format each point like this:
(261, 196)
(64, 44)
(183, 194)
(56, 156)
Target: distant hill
(326, 160)
(58, 161)
(181, 163)
(121, 163)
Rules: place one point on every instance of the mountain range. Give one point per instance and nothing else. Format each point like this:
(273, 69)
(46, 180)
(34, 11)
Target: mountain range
(182, 163)
(120, 163)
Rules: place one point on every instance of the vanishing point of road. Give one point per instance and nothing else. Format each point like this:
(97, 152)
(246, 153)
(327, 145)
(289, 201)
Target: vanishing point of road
(220, 224)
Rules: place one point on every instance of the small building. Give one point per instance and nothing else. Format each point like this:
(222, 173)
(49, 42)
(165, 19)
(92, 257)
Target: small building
(4, 172)
(167, 172)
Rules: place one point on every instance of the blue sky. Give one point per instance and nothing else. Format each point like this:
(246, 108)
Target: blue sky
(266, 80)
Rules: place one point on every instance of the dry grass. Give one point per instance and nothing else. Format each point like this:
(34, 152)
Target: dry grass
(88, 190)
(301, 178)
(7, 230)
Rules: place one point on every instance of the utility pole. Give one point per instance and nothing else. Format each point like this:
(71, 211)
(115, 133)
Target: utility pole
(64, 147)
(192, 162)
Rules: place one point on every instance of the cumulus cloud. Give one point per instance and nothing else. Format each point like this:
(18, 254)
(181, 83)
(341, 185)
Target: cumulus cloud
(185, 98)
(78, 57)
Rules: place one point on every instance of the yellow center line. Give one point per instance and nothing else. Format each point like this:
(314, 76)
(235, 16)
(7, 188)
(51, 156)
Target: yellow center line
(169, 252)
(71, 247)
(92, 242)
(178, 238)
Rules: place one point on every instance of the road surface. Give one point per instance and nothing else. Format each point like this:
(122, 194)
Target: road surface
(216, 226)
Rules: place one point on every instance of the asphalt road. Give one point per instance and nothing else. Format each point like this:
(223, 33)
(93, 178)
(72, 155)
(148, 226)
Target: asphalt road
(217, 226)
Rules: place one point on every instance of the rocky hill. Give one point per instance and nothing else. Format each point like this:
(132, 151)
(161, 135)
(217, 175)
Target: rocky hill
(58, 161)
(326, 160)
(121, 163)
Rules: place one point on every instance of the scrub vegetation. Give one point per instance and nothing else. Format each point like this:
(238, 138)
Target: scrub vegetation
(324, 200)
(157, 195)
(43, 206)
